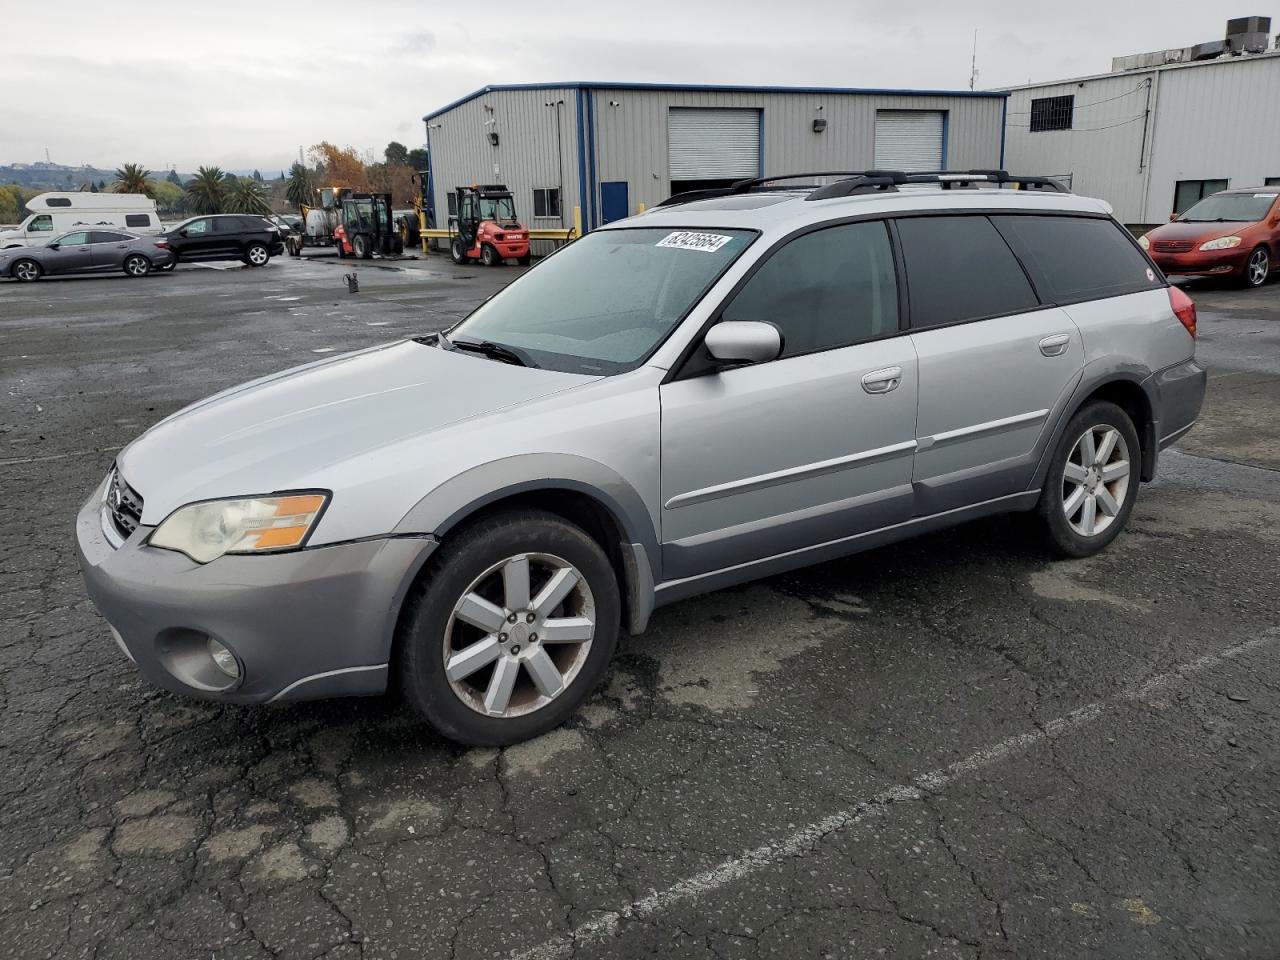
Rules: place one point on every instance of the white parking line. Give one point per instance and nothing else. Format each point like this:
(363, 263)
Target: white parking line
(807, 838)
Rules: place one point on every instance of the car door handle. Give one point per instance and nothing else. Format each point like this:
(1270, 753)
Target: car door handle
(883, 380)
(1056, 345)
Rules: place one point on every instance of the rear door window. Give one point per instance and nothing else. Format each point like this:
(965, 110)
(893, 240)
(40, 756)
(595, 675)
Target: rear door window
(830, 288)
(228, 225)
(1077, 258)
(959, 268)
(104, 236)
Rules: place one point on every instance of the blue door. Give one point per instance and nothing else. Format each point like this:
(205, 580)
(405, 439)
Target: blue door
(613, 200)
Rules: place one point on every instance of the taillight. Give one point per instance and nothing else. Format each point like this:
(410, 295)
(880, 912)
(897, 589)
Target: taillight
(162, 244)
(1184, 308)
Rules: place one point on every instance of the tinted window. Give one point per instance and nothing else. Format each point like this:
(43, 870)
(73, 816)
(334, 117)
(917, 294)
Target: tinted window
(228, 225)
(73, 239)
(960, 268)
(826, 289)
(137, 220)
(58, 202)
(104, 236)
(1077, 258)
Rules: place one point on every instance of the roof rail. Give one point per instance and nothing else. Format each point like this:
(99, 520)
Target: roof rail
(756, 184)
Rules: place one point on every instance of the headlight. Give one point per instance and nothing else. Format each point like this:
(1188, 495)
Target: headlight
(1144, 243)
(1222, 243)
(205, 531)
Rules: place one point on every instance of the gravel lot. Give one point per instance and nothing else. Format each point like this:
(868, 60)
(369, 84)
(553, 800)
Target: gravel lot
(951, 747)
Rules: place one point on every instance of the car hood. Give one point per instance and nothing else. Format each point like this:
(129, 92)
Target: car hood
(276, 433)
(1198, 231)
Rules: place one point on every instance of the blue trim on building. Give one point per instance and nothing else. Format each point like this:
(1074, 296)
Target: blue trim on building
(582, 162)
(1004, 126)
(946, 135)
(711, 88)
(591, 158)
(760, 152)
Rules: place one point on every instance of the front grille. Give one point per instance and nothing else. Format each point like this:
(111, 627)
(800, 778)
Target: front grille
(124, 505)
(1174, 246)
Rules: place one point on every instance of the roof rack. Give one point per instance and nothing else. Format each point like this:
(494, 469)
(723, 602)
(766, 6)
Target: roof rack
(871, 181)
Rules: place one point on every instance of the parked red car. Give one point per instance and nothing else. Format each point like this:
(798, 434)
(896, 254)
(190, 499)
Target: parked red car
(1232, 233)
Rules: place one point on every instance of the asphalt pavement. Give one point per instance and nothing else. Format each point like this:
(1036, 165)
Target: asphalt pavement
(952, 747)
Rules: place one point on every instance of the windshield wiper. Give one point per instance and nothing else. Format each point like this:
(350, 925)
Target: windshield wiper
(494, 351)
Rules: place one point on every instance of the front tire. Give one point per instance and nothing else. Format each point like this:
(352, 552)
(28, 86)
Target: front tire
(136, 265)
(257, 255)
(28, 271)
(1093, 481)
(1257, 268)
(510, 628)
(457, 252)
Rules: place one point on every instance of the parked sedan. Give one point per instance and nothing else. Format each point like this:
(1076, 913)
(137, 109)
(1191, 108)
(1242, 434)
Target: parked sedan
(87, 251)
(1233, 233)
(254, 240)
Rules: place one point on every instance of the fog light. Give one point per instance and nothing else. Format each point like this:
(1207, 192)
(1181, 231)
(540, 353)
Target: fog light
(224, 659)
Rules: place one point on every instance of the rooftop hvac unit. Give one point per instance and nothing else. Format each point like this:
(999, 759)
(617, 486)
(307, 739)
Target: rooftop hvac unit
(1247, 35)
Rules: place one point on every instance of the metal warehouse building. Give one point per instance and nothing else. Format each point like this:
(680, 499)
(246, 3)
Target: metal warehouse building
(609, 147)
(1162, 129)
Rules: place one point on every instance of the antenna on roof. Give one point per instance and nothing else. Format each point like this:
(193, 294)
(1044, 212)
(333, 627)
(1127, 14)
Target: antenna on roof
(973, 65)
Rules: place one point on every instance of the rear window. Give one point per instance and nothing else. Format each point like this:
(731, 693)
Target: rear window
(137, 220)
(960, 268)
(1077, 258)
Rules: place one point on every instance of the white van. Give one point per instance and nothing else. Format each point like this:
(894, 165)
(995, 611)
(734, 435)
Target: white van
(53, 214)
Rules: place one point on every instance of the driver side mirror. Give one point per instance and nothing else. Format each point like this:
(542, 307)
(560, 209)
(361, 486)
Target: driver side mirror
(743, 341)
(54, 246)
(182, 233)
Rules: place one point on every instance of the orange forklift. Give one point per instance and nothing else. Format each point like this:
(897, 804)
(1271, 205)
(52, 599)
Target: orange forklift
(486, 227)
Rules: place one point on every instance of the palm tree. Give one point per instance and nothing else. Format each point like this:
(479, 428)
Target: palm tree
(207, 190)
(247, 196)
(299, 191)
(132, 178)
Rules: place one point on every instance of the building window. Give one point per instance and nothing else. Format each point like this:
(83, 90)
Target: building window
(1187, 193)
(1273, 182)
(546, 202)
(1052, 113)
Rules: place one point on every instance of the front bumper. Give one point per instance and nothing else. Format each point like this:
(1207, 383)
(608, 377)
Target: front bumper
(303, 625)
(1196, 263)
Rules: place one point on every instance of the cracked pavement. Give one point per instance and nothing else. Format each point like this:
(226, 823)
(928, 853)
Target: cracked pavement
(139, 825)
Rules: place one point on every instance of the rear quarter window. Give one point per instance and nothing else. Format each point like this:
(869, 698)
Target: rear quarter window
(1078, 258)
(959, 268)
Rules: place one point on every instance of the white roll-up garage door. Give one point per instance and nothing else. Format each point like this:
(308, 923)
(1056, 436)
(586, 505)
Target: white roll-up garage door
(707, 144)
(909, 139)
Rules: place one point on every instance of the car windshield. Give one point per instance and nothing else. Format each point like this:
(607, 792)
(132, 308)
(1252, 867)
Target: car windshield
(1246, 207)
(497, 208)
(602, 304)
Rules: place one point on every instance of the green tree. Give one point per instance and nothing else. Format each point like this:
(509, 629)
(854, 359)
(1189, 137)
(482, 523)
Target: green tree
(246, 196)
(417, 158)
(257, 175)
(207, 190)
(173, 178)
(168, 196)
(102, 185)
(93, 187)
(396, 152)
(133, 178)
(299, 190)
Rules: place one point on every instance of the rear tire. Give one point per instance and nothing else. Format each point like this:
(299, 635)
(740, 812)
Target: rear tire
(524, 261)
(136, 265)
(514, 685)
(360, 247)
(1257, 268)
(27, 271)
(489, 256)
(1093, 481)
(257, 255)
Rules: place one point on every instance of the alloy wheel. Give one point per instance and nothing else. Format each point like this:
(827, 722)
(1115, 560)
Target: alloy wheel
(1258, 268)
(519, 635)
(257, 256)
(1095, 480)
(26, 270)
(137, 267)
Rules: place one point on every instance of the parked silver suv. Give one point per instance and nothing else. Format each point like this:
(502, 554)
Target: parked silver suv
(731, 385)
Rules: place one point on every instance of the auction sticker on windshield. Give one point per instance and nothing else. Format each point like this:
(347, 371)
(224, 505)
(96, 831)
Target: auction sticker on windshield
(685, 240)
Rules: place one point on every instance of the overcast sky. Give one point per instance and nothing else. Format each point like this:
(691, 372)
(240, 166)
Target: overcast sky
(243, 84)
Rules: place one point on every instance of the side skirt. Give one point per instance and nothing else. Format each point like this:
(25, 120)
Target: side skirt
(673, 590)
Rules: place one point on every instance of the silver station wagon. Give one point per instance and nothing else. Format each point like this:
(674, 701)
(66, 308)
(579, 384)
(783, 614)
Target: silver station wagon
(736, 383)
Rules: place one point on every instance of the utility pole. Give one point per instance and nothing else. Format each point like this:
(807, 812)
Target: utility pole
(973, 65)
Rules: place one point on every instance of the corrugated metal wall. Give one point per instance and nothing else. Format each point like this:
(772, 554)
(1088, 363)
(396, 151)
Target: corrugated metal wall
(1103, 151)
(631, 138)
(1220, 120)
(1208, 121)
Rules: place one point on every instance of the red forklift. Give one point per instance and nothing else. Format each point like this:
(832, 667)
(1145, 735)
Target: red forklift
(486, 228)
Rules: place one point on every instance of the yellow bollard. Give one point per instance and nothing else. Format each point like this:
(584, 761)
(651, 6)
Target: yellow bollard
(640, 207)
(577, 221)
